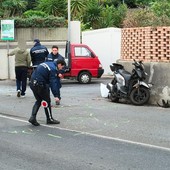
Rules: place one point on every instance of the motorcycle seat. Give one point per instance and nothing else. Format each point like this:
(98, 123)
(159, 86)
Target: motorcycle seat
(126, 75)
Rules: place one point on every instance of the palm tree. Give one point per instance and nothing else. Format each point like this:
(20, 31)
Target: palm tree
(53, 7)
(77, 8)
(107, 16)
(92, 14)
(14, 7)
(31, 4)
(1, 9)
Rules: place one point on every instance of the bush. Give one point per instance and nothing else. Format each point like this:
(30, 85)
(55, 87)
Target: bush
(144, 18)
(1, 13)
(119, 15)
(33, 13)
(39, 22)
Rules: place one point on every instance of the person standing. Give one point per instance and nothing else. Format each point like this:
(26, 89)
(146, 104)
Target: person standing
(54, 55)
(38, 53)
(45, 77)
(22, 62)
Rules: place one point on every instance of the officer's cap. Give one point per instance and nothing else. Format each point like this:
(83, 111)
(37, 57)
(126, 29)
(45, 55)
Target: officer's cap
(37, 40)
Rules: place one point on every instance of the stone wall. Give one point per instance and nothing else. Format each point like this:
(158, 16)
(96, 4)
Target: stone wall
(44, 34)
(47, 36)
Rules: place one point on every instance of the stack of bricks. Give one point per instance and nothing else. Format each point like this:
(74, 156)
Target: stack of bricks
(146, 43)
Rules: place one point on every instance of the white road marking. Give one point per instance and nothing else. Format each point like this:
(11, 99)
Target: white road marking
(91, 134)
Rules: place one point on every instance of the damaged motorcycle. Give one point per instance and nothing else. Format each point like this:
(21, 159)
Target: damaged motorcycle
(125, 85)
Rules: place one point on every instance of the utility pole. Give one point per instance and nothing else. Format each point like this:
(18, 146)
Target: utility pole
(67, 51)
(69, 19)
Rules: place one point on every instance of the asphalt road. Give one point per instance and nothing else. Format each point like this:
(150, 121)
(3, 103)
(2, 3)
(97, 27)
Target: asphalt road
(41, 148)
(94, 133)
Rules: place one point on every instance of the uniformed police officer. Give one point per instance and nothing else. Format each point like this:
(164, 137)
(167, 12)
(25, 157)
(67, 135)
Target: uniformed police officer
(54, 55)
(38, 53)
(45, 77)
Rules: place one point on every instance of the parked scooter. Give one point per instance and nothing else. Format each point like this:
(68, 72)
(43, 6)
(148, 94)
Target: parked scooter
(125, 85)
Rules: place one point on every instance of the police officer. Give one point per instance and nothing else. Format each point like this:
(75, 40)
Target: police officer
(54, 55)
(38, 53)
(45, 77)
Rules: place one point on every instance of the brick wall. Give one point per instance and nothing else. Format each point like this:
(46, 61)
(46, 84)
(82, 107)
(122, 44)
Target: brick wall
(146, 43)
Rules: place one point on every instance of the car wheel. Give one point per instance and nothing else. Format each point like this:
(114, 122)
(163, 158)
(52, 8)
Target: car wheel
(84, 78)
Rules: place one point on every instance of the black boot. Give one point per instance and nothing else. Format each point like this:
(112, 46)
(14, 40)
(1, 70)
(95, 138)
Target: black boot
(50, 119)
(32, 119)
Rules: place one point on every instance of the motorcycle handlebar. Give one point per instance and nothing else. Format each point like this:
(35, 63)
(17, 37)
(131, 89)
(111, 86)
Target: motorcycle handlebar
(137, 63)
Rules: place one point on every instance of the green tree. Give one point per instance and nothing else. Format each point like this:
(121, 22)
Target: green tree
(110, 2)
(13, 7)
(144, 3)
(105, 2)
(53, 7)
(77, 8)
(130, 3)
(161, 8)
(107, 16)
(1, 9)
(112, 16)
(119, 15)
(31, 4)
(92, 14)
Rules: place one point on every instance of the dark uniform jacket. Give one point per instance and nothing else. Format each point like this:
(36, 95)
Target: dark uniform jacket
(38, 54)
(47, 74)
(52, 57)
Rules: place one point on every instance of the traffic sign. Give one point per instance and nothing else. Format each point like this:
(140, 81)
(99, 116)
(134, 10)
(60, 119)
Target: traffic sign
(7, 30)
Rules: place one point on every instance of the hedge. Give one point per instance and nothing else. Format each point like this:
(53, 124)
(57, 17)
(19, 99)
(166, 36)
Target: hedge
(39, 22)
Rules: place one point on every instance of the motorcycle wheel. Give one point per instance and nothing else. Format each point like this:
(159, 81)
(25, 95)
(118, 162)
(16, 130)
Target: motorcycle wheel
(140, 96)
(111, 96)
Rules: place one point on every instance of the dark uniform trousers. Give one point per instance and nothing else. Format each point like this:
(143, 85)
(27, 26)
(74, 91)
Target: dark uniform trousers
(41, 92)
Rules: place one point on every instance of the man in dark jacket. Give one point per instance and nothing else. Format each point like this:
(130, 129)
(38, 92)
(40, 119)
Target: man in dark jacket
(54, 55)
(45, 77)
(38, 53)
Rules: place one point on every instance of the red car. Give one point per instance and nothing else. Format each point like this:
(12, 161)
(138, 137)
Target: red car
(83, 63)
